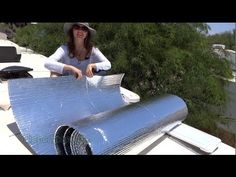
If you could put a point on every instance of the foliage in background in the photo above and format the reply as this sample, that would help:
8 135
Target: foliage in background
227 38
168 58
43 38
156 58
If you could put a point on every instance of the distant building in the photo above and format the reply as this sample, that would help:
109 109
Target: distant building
3 36
230 55
10 28
218 46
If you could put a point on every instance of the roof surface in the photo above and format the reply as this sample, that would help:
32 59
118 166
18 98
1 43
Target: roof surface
176 139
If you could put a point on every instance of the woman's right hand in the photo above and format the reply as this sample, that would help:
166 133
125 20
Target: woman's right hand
77 72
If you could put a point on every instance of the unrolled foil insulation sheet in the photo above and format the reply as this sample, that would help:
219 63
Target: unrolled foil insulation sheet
41 105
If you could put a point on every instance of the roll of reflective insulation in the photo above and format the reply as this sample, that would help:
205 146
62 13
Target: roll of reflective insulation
113 131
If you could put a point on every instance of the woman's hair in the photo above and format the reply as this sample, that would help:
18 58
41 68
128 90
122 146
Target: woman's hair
71 45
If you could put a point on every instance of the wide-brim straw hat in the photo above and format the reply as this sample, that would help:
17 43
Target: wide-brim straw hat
68 26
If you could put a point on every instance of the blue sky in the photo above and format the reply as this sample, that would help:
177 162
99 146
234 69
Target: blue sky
220 27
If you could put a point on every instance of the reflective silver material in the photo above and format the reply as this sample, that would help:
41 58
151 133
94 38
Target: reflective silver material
112 131
41 105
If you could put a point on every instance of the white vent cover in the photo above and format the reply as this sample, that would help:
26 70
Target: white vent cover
193 136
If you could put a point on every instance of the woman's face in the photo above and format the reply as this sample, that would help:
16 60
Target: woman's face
80 31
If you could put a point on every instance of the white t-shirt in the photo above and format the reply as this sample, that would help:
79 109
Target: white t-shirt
57 61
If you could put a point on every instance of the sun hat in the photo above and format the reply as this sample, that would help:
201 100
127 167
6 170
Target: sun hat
68 26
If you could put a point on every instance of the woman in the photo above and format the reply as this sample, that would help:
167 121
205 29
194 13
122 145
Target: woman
78 56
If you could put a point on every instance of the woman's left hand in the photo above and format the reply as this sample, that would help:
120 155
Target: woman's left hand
89 70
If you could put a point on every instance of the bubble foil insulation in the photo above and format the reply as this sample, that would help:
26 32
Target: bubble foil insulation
41 105
114 131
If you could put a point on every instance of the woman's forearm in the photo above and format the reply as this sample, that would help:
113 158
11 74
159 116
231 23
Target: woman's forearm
68 67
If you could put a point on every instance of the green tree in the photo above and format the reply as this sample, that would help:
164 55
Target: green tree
171 58
43 38
227 38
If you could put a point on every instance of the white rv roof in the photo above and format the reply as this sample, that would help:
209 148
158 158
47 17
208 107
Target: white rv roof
218 46
12 142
